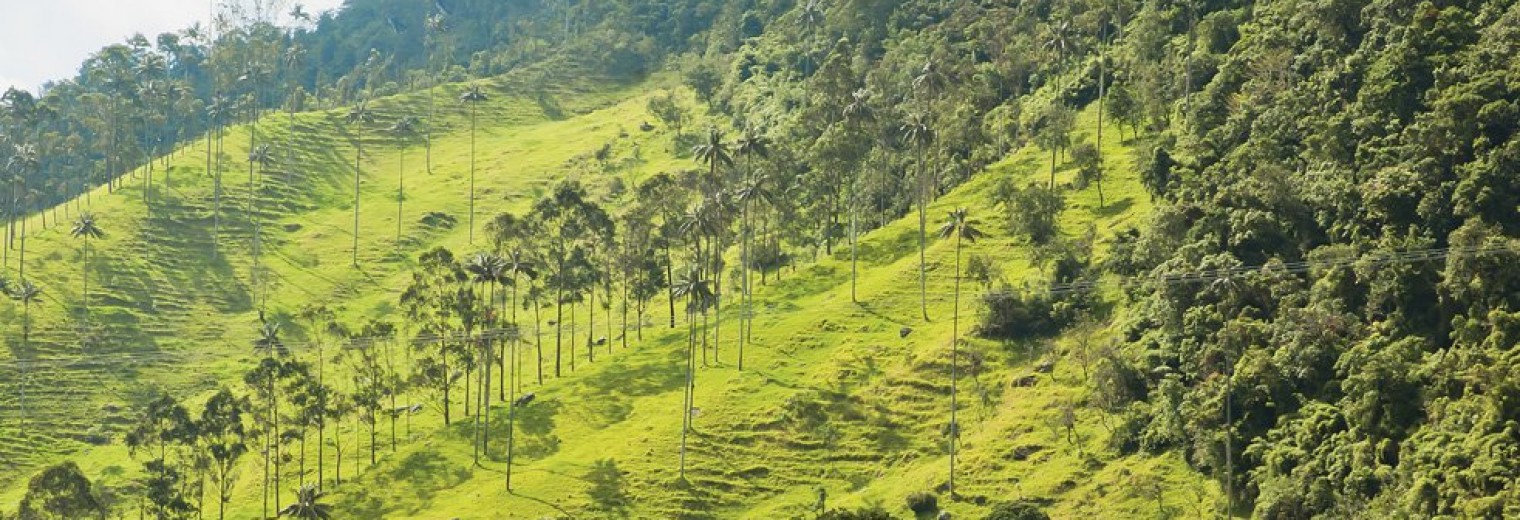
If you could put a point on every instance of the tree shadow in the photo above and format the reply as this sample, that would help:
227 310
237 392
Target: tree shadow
535 437
1114 208
639 379
607 488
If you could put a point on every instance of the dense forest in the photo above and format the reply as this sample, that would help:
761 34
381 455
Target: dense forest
1317 315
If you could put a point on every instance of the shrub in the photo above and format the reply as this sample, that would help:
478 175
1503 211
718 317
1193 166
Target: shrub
871 513
1017 510
922 503
1010 314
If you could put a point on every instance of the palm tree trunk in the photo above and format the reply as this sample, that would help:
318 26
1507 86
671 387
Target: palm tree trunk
400 192
670 279
923 202
745 299
321 419
84 273
591 325
854 238
358 156
447 382
954 358
472 171
538 338
559 326
511 402
1053 150
689 387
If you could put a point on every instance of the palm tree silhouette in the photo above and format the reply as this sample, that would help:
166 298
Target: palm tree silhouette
358 116
307 505
474 97
86 229
404 129
699 295
857 115
963 228
26 292
916 132
750 145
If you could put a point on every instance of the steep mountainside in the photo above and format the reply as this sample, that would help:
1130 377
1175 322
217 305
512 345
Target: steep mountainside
1243 258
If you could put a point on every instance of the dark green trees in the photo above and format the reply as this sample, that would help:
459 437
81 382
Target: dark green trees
222 434
60 492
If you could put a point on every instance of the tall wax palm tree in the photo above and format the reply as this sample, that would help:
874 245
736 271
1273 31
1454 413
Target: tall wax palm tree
293 56
488 269
473 97
753 191
358 116
518 264
307 505
24 158
715 154
263 157
857 115
513 336
434 27
811 18
214 114
86 229
699 295
916 132
962 227
26 292
269 344
404 129
1060 39
750 145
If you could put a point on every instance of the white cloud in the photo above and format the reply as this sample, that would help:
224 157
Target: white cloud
46 40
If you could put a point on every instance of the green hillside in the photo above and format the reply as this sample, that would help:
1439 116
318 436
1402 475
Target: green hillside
1215 259
814 351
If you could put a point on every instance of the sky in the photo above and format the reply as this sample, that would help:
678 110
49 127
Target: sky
46 40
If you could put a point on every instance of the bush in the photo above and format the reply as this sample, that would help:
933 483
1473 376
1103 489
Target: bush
1031 212
1018 510
875 513
1010 314
922 503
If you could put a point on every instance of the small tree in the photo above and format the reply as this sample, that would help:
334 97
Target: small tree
668 109
1124 107
1051 129
1031 212
60 491
1089 168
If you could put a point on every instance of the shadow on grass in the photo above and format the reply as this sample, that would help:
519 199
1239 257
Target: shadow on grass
535 437
639 379
1115 208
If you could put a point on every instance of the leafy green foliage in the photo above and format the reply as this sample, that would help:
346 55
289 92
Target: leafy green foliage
1017 510
59 492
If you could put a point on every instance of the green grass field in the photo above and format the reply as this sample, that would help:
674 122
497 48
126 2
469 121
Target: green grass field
832 398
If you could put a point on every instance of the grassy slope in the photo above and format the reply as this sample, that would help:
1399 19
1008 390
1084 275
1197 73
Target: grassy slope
885 396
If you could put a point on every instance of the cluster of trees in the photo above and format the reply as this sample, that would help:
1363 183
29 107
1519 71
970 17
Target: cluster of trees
1356 140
